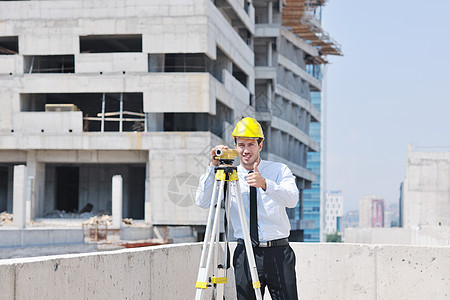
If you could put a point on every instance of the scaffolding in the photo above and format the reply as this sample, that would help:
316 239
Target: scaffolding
300 17
140 124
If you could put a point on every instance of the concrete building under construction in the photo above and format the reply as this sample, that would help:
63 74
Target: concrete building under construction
144 89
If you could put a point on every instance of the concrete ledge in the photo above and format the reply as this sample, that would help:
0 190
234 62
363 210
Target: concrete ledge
182 92
11 64
233 86
421 235
266 73
39 237
146 273
267 30
53 122
288 64
111 62
324 271
16 252
299 42
98 141
294 131
297 99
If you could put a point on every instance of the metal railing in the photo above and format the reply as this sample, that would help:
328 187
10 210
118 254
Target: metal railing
140 123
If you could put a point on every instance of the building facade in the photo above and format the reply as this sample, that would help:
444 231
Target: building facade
425 191
91 89
424 205
334 212
313 196
371 211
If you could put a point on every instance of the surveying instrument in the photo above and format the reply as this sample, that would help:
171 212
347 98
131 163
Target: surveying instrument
226 181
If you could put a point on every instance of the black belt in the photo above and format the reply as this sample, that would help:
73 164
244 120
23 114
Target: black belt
274 243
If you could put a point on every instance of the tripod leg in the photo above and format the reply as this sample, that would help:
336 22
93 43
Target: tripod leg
222 271
248 243
203 272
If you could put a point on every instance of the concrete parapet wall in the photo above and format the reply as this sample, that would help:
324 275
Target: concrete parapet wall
111 62
63 122
297 99
235 87
324 271
33 251
146 273
285 62
11 64
182 92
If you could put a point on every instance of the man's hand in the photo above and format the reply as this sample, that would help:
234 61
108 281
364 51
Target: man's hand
214 162
255 179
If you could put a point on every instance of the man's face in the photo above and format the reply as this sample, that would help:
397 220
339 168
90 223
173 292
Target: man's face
248 151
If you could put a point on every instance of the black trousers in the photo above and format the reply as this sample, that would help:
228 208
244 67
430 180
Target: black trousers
276 270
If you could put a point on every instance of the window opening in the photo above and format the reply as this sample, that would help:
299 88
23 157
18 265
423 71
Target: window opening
85 190
179 62
240 75
67 186
49 64
3 189
101 112
110 43
186 122
9 45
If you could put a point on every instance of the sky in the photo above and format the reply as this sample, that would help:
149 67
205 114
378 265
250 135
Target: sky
391 88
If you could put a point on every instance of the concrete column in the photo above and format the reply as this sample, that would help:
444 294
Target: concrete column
155 121
19 195
29 197
147 204
269 12
35 199
117 184
269 54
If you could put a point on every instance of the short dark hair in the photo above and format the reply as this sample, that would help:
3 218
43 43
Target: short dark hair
258 139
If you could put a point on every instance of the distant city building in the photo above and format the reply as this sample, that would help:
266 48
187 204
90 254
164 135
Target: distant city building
423 208
312 196
371 211
391 215
334 211
351 219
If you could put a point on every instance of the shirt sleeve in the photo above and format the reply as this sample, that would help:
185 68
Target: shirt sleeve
285 192
205 188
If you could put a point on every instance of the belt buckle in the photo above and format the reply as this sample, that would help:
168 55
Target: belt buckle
264 244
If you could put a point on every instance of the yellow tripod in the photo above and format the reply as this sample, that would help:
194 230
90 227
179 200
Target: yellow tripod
226 181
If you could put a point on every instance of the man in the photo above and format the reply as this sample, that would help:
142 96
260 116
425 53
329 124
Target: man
271 187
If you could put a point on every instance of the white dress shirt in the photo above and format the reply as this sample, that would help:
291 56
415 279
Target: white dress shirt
281 192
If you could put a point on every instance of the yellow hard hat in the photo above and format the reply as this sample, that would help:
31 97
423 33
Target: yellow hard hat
248 127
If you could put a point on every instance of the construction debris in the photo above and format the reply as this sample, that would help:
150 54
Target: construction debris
61 214
99 220
5 218
128 221
106 220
